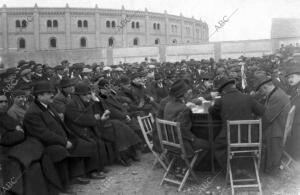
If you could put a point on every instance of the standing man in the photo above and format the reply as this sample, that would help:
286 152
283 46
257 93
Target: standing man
293 142
277 106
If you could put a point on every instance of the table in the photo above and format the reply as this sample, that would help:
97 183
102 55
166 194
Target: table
205 127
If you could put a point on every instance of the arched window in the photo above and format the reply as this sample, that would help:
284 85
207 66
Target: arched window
55 23
174 41
111 42
135 41
24 23
53 42
85 23
21 43
132 24
79 23
82 42
154 26
49 23
137 25
156 41
107 24
18 24
158 26
113 24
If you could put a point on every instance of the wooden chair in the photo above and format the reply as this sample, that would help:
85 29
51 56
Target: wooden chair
248 146
287 162
171 139
147 124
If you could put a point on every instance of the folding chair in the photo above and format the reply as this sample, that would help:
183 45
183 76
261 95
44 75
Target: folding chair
147 123
287 162
171 139
246 146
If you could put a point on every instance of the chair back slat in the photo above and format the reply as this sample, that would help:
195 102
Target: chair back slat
241 133
249 134
170 135
289 124
146 125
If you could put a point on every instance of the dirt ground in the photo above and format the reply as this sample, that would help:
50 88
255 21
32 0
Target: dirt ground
140 179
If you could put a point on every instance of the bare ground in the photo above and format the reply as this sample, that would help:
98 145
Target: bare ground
141 179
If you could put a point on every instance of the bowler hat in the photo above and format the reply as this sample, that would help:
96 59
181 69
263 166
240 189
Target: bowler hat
67 82
179 88
222 82
43 87
82 88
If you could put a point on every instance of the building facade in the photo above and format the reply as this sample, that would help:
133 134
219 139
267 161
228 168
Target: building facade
42 29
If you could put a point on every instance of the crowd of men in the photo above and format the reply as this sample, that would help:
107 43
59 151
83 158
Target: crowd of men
65 124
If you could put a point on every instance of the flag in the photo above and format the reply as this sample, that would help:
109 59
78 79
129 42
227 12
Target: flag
243 75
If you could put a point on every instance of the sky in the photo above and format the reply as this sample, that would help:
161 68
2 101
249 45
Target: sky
251 19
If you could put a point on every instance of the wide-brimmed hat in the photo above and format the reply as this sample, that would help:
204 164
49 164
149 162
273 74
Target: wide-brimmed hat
260 78
179 88
222 82
67 82
82 88
43 87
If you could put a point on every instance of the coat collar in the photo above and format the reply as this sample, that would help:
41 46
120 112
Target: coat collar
233 90
271 93
38 103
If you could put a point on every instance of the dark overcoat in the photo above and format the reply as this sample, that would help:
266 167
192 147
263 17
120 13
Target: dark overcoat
274 121
293 143
21 159
233 105
79 117
46 126
179 112
122 132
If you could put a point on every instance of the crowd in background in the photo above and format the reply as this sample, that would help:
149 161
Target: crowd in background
69 121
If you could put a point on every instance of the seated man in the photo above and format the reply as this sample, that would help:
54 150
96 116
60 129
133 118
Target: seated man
60 101
18 109
274 120
61 146
83 122
233 105
125 130
21 169
176 110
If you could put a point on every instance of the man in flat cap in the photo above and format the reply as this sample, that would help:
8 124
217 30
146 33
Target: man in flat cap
277 106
